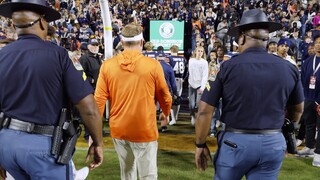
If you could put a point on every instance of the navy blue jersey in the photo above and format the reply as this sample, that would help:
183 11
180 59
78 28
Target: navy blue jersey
150 54
37 80
178 63
255 87
311 94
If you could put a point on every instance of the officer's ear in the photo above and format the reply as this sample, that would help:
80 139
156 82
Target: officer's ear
242 39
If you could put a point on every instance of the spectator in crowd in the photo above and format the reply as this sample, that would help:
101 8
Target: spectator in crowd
239 83
296 43
214 67
198 76
304 48
133 82
309 75
222 31
283 48
272 46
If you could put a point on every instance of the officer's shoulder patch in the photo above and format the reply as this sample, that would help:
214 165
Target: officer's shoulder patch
77 65
208 87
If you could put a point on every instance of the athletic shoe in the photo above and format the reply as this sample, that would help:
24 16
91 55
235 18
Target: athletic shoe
193 120
172 122
81 174
306 152
316 160
299 142
218 123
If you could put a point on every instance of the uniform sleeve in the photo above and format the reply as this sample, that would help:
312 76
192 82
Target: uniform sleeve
75 81
101 93
213 91
162 91
297 94
204 75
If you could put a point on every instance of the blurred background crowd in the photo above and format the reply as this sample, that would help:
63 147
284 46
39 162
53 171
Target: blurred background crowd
206 22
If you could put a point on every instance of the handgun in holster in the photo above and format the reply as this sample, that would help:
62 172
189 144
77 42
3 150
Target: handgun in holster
58 132
71 132
288 133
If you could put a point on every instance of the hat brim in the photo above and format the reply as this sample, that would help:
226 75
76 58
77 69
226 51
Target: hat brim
6 10
271 26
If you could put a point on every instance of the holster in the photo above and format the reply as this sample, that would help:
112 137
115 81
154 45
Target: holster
1 119
71 132
288 133
58 133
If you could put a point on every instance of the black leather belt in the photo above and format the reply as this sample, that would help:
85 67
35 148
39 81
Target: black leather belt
28 127
253 131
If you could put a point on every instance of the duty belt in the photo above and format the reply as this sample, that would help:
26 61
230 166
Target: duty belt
28 127
253 131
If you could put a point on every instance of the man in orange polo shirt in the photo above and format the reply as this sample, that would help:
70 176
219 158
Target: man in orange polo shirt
133 83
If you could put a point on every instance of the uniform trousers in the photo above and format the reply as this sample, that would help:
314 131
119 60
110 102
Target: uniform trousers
312 120
27 156
255 156
137 157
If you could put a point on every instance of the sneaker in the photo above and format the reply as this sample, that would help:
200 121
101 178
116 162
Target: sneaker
299 142
316 160
81 174
306 152
172 122
193 120
218 124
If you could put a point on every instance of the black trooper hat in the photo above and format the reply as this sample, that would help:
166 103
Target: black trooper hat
254 19
41 7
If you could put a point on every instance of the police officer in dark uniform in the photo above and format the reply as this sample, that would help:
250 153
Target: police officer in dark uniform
37 80
257 90
91 62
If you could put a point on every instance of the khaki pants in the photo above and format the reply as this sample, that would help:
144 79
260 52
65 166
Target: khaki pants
133 157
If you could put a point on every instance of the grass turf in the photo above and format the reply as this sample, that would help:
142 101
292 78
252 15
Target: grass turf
180 165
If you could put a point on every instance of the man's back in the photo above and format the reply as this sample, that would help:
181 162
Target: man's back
36 72
260 79
134 82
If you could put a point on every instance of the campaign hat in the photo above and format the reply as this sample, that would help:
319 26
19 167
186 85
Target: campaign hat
253 19
41 7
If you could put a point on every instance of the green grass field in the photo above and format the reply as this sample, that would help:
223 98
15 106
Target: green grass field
180 166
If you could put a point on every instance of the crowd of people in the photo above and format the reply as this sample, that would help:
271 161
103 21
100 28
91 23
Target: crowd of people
208 44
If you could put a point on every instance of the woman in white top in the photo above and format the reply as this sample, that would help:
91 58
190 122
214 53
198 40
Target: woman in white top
198 76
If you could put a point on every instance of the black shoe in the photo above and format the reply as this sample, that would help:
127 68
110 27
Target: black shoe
163 129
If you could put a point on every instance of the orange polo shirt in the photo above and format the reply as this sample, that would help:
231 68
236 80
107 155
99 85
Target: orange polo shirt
132 83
